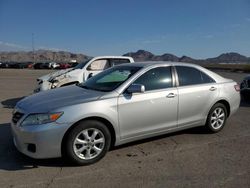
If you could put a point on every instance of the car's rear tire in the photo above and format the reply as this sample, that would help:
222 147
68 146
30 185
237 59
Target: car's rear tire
87 143
217 117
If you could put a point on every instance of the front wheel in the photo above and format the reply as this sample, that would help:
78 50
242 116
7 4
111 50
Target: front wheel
87 143
216 118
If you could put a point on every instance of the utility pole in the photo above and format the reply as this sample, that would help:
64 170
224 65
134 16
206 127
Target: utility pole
33 49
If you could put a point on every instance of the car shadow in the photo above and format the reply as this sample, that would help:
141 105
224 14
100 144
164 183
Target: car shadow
13 160
11 103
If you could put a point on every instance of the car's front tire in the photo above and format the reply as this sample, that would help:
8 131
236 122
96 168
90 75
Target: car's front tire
216 118
87 143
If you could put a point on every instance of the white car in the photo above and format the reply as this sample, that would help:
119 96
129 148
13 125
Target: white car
80 73
54 65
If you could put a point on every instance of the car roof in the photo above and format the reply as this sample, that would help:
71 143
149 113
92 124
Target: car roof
155 63
149 64
112 57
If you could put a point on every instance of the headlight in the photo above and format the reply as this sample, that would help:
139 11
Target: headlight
37 119
54 83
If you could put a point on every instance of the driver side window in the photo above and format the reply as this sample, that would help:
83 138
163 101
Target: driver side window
99 65
156 78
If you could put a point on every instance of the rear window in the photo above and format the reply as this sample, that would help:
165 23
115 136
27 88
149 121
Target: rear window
192 76
119 61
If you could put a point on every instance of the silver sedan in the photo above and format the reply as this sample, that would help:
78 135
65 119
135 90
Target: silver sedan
121 105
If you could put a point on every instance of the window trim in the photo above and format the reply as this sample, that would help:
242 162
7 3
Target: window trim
177 76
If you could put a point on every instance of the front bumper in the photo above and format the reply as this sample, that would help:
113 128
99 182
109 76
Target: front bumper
46 139
43 86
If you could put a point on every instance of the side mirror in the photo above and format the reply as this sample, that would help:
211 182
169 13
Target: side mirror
90 75
136 88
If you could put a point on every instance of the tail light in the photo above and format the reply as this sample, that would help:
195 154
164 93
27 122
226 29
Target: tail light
237 87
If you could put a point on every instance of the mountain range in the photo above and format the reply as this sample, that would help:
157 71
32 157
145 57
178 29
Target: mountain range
41 56
140 55
232 57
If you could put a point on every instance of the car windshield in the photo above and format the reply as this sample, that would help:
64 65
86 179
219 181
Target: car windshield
110 79
81 65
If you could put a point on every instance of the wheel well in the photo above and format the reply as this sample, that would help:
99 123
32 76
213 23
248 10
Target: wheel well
227 105
106 122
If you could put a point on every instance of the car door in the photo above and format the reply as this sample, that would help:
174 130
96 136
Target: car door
197 93
150 112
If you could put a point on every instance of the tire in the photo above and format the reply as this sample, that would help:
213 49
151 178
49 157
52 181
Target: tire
245 96
217 117
87 143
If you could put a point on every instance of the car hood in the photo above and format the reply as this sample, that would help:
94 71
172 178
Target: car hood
52 99
54 74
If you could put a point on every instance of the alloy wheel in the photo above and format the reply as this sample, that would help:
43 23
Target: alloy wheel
217 118
89 143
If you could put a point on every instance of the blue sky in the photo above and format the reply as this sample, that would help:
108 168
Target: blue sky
196 28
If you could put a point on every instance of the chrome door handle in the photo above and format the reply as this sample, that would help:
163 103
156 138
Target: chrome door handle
171 95
212 88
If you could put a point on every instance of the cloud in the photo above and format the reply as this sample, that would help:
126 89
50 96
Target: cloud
248 19
6 46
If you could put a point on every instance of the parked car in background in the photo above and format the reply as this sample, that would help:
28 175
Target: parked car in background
30 66
46 65
50 65
79 73
38 66
245 88
54 65
4 65
64 66
120 105
16 65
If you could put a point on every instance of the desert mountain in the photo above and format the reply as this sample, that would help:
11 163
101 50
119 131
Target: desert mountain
140 55
41 56
232 57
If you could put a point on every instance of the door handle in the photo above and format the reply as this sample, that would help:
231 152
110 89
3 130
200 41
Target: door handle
171 95
212 88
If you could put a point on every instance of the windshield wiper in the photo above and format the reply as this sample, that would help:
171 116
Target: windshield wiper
83 86
90 88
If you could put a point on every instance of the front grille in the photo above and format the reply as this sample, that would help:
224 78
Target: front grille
17 116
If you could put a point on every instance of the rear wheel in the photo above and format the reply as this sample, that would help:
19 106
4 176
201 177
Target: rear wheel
87 143
216 118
